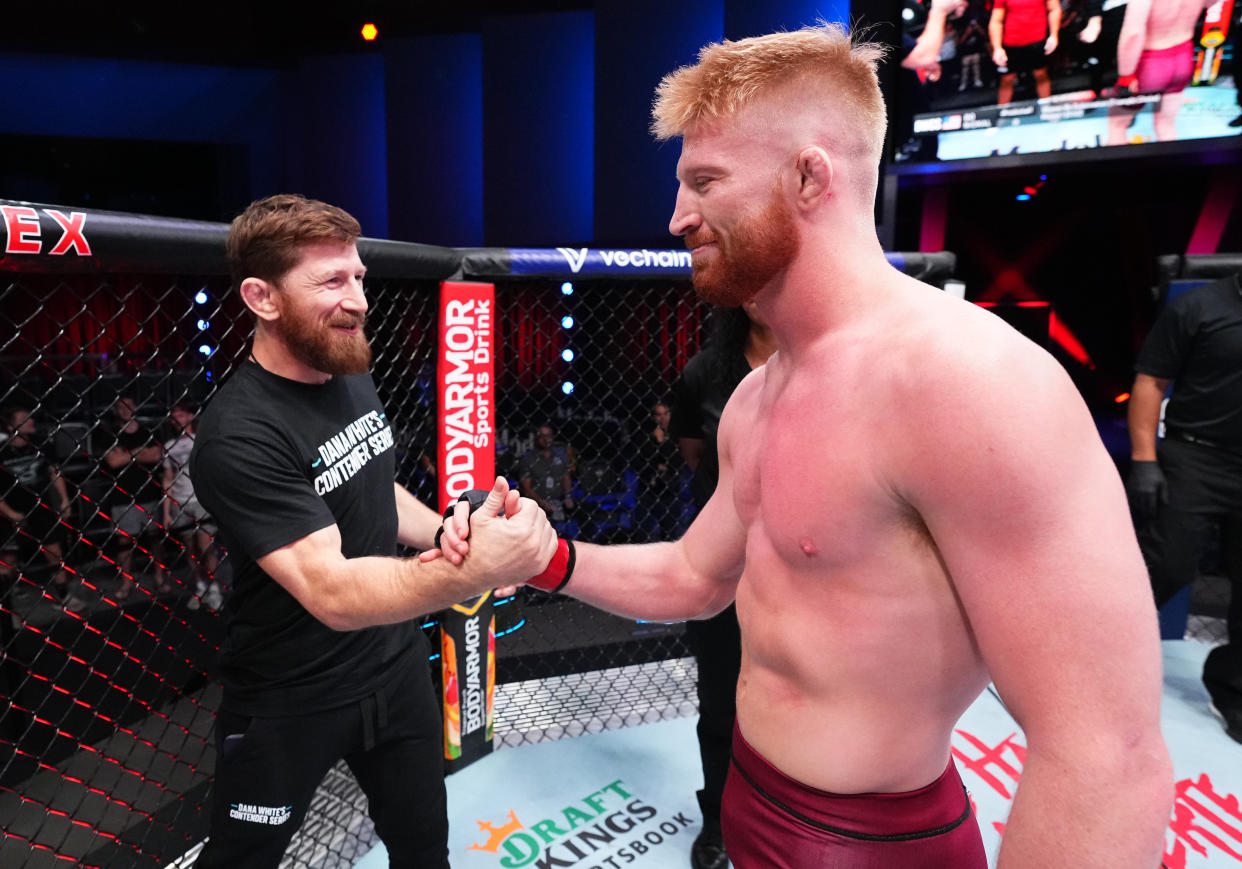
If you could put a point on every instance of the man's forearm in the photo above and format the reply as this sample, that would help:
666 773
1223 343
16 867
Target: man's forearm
373 590
1072 812
416 522
652 581
1054 17
1143 418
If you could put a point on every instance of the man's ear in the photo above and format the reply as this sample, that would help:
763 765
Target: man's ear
260 297
815 176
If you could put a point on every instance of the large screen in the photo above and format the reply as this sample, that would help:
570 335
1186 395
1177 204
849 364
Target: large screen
1000 83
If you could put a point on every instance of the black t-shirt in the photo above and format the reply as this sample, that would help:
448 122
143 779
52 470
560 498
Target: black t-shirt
275 460
134 482
25 476
1197 342
699 398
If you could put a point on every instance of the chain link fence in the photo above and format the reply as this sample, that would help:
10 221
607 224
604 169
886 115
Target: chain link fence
110 591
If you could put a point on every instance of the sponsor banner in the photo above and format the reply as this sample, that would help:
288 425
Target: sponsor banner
599 262
568 262
36 237
466 459
466 417
468 671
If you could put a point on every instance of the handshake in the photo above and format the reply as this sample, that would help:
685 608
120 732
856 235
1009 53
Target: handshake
507 539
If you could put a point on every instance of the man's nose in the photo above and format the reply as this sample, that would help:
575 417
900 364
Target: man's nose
685 214
356 299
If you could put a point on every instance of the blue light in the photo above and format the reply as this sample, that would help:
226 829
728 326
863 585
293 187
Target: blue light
512 629
1043 177
206 349
203 325
567 355
201 297
567 322
567 387
567 289
208 373
1023 197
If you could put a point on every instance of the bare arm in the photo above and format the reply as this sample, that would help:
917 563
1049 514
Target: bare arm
528 491
1032 523
692 450
927 47
151 455
166 482
694 577
996 36
61 489
1143 415
13 515
1054 26
416 522
1133 36
352 593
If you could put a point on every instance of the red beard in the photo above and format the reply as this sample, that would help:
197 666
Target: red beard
322 347
746 259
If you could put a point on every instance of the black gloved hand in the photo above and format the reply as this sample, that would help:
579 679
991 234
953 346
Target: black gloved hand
476 497
1147 488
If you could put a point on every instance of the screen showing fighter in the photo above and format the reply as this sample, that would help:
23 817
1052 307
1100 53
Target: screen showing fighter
992 78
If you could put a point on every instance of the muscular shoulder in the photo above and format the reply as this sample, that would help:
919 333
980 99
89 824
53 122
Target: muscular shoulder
955 370
741 408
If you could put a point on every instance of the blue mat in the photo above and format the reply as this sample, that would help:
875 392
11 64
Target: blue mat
625 798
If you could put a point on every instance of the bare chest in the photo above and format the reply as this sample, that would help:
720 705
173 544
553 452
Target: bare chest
811 481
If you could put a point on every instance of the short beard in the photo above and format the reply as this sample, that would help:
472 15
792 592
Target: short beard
324 350
754 252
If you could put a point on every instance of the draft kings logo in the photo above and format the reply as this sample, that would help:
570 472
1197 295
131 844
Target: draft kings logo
607 829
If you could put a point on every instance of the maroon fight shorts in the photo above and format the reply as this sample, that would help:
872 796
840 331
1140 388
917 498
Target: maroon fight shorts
1166 70
773 822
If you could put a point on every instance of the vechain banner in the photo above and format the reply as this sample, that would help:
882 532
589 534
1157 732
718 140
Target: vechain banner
599 261
467 460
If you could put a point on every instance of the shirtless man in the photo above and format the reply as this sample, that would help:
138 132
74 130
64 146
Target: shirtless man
937 513
1156 54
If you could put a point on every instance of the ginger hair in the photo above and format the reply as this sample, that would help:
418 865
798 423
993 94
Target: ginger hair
730 76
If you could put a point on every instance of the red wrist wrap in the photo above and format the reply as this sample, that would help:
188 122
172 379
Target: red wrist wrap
1127 81
559 569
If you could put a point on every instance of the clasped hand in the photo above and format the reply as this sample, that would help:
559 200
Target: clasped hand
508 539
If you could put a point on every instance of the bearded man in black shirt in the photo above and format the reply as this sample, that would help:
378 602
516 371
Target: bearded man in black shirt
322 658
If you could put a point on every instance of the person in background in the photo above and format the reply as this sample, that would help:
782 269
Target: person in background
183 516
1193 478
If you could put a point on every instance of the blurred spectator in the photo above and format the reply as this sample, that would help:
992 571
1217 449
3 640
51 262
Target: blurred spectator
33 501
183 515
133 458
544 475
658 462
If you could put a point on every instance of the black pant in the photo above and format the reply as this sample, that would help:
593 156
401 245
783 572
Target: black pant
717 644
1204 486
268 769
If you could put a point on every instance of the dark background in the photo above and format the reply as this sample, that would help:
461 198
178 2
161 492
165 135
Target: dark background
525 124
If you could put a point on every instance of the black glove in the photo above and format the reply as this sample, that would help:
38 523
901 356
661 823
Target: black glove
1147 488
476 497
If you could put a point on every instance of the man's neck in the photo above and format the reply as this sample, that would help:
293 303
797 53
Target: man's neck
275 357
831 282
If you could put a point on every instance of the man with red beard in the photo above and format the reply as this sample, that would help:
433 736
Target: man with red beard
323 658
912 502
